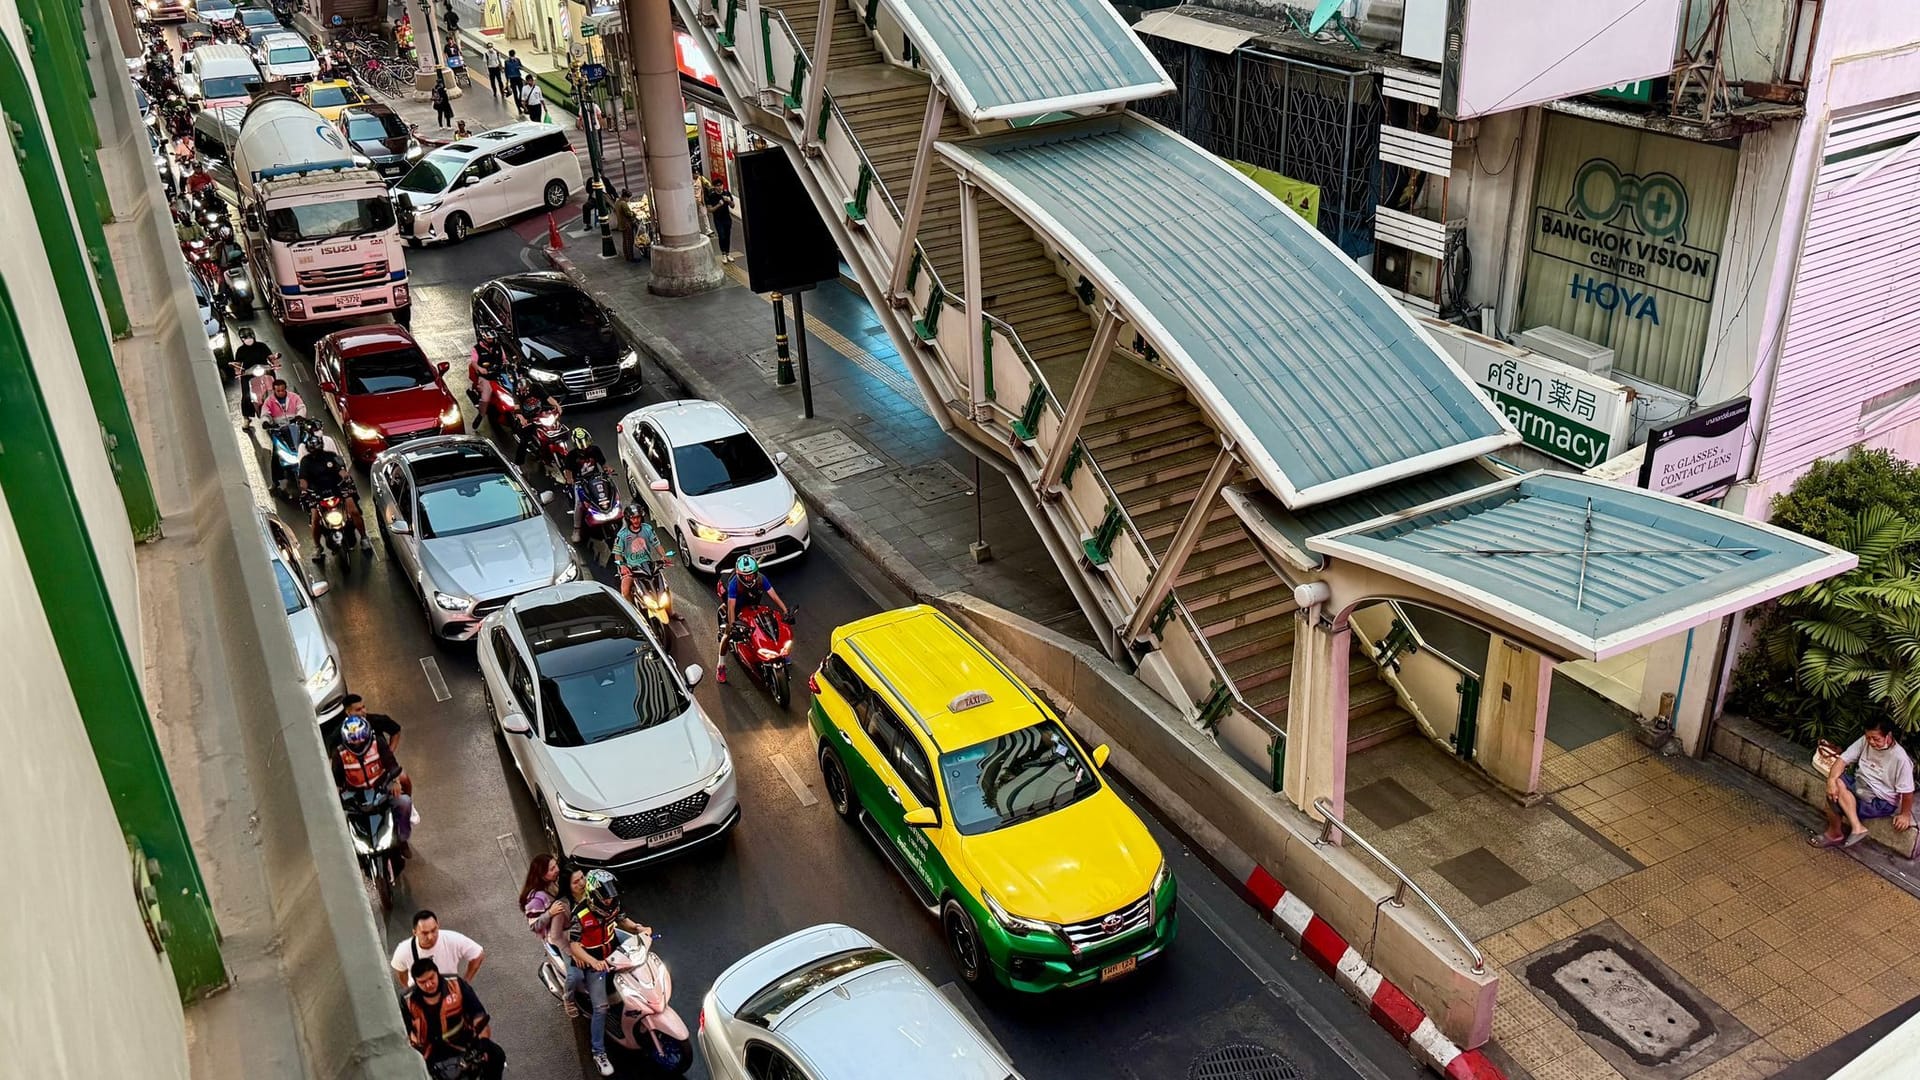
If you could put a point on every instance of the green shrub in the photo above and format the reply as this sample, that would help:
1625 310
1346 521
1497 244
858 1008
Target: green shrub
1823 503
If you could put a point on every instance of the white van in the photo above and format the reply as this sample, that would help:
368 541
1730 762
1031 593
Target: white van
288 56
217 75
486 178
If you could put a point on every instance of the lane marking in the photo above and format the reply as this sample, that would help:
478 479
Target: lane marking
434 682
800 789
509 846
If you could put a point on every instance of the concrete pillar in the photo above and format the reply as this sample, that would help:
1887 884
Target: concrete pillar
683 261
1512 723
1685 666
1317 714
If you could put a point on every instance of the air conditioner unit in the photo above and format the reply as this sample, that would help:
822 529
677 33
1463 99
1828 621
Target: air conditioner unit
1568 349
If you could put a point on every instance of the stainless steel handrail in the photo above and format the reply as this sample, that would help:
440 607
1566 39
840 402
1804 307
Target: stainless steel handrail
1326 837
1400 613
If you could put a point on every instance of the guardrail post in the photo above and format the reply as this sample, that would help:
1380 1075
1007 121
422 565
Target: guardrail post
813 114
1027 427
857 208
970 286
927 326
1079 402
986 351
1213 708
931 120
1466 731
873 13
792 98
724 36
766 41
1098 548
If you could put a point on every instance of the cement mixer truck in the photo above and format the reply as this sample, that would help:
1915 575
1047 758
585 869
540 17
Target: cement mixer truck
317 224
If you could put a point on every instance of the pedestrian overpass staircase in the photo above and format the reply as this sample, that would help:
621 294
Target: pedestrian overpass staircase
999 363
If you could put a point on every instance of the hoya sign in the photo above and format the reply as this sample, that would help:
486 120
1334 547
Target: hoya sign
1558 409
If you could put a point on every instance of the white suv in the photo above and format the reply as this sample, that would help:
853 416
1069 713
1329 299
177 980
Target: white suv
485 178
711 485
828 1003
624 766
288 56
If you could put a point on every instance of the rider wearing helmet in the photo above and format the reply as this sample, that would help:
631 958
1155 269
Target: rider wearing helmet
528 408
636 546
323 472
365 761
593 936
583 462
746 587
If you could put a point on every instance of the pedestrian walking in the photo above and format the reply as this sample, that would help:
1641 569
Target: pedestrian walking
513 70
719 202
532 102
624 221
442 104
496 72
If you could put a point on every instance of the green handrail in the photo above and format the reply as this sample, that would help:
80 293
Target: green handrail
799 80
857 209
725 34
826 116
1098 548
927 326
1073 462
1213 708
766 40
986 352
873 13
1027 428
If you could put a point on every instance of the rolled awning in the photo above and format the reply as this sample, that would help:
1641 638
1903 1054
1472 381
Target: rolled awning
1196 32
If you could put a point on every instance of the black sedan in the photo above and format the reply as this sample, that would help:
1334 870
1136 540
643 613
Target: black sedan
378 134
558 335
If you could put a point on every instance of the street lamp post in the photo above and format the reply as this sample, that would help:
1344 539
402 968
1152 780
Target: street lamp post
683 260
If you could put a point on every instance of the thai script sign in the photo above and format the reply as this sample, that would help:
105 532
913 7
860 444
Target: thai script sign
1559 410
1699 454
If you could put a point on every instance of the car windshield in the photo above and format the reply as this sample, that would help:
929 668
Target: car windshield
258 17
608 688
290 597
225 86
324 96
472 503
721 465
289 54
541 315
766 1005
1016 777
388 372
433 173
325 221
369 127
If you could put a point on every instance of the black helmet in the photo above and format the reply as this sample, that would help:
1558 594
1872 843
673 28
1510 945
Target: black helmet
314 439
637 509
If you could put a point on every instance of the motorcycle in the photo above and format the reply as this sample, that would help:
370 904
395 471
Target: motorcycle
650 592
370 822
239 291
284 440
337 531
599 504
763 644
259 381
641 1021
502 390
554 441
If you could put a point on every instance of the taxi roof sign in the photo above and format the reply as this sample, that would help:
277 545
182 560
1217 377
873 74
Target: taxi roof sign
972 699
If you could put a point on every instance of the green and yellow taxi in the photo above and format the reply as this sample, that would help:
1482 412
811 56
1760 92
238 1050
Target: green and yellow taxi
996 816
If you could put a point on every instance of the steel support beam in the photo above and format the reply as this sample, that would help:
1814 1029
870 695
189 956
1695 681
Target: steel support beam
970 286
930 122
1185 539
817 86
1077 405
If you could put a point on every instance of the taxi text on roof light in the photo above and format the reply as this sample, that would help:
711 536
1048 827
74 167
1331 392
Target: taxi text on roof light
969 700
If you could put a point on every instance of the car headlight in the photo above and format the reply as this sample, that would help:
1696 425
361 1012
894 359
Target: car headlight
720 775
362 160
450 416
1011 923
361 431
427 207
706 532
414 150
543 375
571 572
450 602
630 360
1160 878
574 813
799 512
324 677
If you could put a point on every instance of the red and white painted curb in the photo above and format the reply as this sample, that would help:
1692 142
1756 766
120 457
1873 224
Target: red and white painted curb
1389 1007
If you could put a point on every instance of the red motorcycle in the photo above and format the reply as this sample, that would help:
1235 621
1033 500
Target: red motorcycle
762 643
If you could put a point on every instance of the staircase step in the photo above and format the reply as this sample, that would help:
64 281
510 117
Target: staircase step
1139 446
1142 475
1378 727
1217 615
1037 305
1158 527
1225 558
1367 692
1227 586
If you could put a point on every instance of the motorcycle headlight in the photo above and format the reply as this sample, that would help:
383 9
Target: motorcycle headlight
450 416
360 847
322 678
217 340
630 360
240 286
571 572
385 839
799 512
450 602
1011 923
335 519
543 375
361 431
707 532
414 151
768 654
574 813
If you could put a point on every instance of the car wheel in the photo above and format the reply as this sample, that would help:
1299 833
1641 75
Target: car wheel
834 776
414 242
551 834
556 194
963 942
458 225
680 545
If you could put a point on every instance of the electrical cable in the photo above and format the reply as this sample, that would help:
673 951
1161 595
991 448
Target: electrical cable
1544 72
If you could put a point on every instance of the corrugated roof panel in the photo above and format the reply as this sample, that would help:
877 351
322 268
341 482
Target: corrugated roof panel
1333 385
1011 58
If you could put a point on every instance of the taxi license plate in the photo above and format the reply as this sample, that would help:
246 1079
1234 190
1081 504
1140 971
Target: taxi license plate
761 551
663 838
595 395
1114 971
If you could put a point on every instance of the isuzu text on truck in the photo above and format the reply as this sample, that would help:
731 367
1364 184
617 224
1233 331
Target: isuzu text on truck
316 222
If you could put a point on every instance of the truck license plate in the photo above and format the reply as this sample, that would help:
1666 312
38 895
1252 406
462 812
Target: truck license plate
661 839
1114 971
595 395
762 551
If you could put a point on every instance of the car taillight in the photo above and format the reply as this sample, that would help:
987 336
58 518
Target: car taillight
813 683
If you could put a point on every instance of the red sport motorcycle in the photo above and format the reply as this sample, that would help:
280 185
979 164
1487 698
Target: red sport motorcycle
762 643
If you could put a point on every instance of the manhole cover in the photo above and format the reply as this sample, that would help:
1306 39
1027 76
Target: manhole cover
853 466
931 483
1242 1061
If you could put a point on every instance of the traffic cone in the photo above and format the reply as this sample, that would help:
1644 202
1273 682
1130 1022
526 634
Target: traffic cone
554 243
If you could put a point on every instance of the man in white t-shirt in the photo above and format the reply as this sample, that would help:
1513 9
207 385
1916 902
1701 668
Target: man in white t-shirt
452 952
1873 778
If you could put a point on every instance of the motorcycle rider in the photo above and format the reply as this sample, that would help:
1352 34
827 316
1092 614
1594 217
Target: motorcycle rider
199 181
449 1026
593 936
583 452
746 588
323 472
635 547
531 404
365 761
251 354
281 406
584 462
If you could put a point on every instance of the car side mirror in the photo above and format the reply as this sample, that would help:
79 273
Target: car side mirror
694 674
780 457
329 386
444 367
921 817
515 724
319 589
1100 755
399 527
546 498
660 485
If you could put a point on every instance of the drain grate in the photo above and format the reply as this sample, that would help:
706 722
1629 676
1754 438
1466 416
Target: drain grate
931 483
1242 1061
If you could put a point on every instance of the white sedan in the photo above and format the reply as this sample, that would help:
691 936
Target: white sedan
828 1003
711 485
623 764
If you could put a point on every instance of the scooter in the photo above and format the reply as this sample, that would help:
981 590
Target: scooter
648 585
284 440
599 504
763 644
370 822
337 531
554 441
641 1020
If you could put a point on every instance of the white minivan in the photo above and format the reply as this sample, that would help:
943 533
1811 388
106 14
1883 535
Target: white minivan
288 56
218 75
486 178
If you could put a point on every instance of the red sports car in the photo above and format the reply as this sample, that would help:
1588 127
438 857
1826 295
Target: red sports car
383 389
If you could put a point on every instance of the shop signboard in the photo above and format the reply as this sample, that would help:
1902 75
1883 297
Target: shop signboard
1641 91
1698 455
693 63
1559 410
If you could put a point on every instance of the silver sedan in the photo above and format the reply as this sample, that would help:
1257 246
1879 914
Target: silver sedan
466 529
